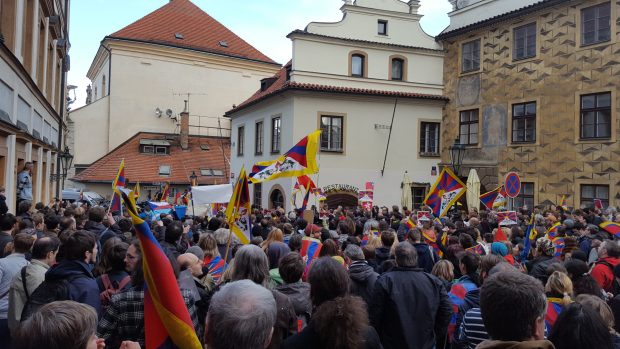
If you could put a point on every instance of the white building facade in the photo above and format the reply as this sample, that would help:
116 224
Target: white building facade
373 83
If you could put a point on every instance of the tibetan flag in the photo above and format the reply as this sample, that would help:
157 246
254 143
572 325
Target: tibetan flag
500 235
424 216
298 161
552 233
444 193
431 239
304 204
554 308
306 182
167 323
530 236
598 203
611 227
318 192
165 192
563 203
507 218
477 249
310 247
409 223
136 191
117 184
457 294
216 266
238 209
494 198
558 244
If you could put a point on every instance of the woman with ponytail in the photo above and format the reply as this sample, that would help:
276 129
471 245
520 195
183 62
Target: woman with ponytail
339 320
559 290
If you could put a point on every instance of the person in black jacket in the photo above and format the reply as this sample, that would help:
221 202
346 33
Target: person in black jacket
95 225
410 308
3 207
427 257
363 276
339 319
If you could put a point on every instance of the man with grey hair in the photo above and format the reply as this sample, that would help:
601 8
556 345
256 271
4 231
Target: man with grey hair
409 308
242 315
362 275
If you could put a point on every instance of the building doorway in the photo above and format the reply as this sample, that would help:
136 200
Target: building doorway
276 198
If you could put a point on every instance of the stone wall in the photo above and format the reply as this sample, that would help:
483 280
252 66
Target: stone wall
558 163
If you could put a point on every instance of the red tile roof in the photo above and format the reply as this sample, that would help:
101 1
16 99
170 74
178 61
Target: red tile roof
281 85
145 167
199 30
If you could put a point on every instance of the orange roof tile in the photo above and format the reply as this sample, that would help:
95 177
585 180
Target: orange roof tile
199 30
145 167
281 84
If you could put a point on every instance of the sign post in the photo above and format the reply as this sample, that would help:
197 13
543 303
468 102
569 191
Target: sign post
512 185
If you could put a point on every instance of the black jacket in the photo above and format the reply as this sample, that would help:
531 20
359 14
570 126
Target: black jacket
538 267
410 309
299 295
83 286
427 257
308 338
363 278
382 254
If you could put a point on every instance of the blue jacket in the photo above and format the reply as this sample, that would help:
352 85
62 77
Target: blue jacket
83 287
427 257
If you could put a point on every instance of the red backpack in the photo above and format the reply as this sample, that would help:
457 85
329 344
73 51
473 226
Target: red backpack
111 288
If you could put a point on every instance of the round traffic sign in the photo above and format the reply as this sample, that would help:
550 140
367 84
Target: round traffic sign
512 184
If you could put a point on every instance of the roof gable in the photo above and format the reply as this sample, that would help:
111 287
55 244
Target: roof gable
197 31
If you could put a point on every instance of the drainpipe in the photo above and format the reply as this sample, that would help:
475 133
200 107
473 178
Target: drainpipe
109 65
62 111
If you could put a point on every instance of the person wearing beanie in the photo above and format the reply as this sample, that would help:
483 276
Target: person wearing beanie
569 225
543 257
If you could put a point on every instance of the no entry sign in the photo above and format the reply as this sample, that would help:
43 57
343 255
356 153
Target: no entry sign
512 184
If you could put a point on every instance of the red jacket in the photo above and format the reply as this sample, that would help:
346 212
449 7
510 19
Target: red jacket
603 274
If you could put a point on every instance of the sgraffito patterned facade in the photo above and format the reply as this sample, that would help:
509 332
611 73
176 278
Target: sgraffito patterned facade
560 155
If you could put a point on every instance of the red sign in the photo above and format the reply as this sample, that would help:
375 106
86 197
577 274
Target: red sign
512 184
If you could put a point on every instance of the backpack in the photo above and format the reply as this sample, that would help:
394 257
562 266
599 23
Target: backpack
111 288
615 286
47 292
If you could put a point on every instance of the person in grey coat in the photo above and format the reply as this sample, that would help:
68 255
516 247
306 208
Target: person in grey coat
362 275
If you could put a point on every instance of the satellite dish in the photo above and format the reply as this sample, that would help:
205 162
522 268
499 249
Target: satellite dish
158 112
169 113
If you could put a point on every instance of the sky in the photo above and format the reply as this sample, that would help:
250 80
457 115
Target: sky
264 24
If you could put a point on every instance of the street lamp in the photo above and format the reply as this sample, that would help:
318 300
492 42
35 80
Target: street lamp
457 151
193 182
66 161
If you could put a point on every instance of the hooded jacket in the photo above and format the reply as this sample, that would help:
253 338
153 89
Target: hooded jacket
83 286
427 257
603 272
299 294
382 254
409 309
542 344
363 278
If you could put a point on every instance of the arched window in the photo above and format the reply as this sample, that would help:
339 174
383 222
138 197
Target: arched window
398 66
358 62
276 198
103 87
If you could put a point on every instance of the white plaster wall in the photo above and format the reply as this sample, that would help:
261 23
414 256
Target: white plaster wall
90 132
328 64
480 10
365 146
360 22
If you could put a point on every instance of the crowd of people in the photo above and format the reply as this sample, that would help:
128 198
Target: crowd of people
72 277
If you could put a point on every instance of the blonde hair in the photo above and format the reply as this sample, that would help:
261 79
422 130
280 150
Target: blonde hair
208 244
274 235
444 269
374 241
560 284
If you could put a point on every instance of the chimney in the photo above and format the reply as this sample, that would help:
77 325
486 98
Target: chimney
414 5
185 128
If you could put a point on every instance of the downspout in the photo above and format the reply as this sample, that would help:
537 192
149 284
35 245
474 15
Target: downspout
109 65
63 83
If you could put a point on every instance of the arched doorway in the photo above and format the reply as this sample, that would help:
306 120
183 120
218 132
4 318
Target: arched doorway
276 198
341 195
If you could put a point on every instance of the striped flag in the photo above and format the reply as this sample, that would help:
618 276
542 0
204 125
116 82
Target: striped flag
554 308
611 227
563 203
494 198
167 323
238 209
552 233
165 192
310 247
530 236
558 244
117 185
444 193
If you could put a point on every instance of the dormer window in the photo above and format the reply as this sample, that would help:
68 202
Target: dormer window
382 27
179 36
154 146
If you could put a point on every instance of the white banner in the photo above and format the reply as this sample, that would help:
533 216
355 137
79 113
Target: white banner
212 194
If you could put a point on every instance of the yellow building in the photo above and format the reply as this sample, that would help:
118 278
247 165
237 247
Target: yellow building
533 88
33 64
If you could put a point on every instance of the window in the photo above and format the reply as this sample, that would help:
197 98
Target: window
148 149
258 195
524 122
276 131
524 41
161 150
331 137
382 27
418 194
240 140
589 192
429 138
596 24
164 170
277 198
209 172
595 120
397 69
469 127
23 114
259 139
357 65
470 56
526 196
